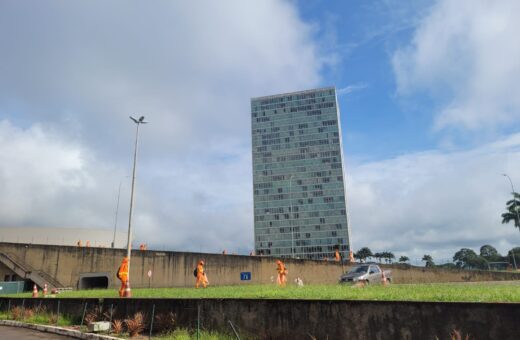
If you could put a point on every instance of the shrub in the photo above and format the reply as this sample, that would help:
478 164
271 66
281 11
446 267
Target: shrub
94 314
135 325
456 335
165 322
180 334
117 326
106 315
28 313
16 313
40 309
53 318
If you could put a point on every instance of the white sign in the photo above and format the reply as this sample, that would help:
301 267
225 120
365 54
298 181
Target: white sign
150 273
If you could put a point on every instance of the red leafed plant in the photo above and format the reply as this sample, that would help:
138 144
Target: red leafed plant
135 325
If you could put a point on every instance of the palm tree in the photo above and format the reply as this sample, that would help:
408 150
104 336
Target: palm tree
513 210
404 259
390 256
379 256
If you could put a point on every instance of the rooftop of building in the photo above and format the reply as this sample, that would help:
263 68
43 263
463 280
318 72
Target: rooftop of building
295 93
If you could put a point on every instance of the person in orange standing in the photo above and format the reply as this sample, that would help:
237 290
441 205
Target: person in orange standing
201 276
282 273
122 274
337 256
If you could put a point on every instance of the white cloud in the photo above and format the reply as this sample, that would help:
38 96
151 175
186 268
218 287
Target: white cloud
351 88
466 54
435 202
190 68
73 72
45 180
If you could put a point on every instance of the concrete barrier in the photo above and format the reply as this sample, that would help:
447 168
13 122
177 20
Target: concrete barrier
79 267
301 319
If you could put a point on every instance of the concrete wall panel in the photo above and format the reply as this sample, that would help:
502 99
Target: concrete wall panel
175 269
300 319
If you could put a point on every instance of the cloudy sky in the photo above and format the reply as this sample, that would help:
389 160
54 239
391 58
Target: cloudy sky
428 92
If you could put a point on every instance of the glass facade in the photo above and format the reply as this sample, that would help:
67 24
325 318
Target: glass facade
298 180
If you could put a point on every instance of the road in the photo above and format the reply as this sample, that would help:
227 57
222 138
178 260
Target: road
18 333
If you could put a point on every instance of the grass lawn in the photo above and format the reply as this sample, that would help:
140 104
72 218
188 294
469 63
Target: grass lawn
471 292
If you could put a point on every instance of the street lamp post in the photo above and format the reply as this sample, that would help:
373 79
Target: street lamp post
516 210
291 216
129 243
117 210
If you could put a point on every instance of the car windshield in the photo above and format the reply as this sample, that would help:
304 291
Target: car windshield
359 269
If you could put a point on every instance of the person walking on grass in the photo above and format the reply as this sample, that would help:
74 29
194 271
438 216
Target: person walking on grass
201 275
282 273
122 274
337 256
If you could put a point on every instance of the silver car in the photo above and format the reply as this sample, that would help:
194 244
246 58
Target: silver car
367 273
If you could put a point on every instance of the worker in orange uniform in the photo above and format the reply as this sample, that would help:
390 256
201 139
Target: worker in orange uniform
122 274
337 256
282 273
201 276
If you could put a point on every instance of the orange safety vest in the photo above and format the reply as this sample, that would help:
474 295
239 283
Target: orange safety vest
122 273
281 268
200 270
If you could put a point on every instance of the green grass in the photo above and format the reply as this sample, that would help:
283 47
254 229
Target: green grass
471 292
43 318
184 334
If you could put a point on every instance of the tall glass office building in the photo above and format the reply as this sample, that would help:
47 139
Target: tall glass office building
299 192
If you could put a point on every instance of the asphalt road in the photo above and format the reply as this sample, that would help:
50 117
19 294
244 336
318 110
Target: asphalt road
17 333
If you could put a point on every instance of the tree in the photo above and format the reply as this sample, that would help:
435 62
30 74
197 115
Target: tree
513 211
404 259
391 257
363 253
488 251
468 259
429 260
516 252
388 256
378 256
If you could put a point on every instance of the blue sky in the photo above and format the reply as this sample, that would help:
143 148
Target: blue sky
362 37
428 93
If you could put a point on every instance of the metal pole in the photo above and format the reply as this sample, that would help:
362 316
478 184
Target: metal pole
151 321
117 210
517 216
290 216
234 330
129 243
198 321
111 311
84 311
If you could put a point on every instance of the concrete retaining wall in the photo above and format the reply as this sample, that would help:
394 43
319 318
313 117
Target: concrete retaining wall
299 319
175 269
